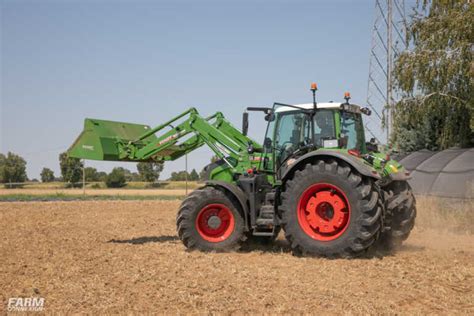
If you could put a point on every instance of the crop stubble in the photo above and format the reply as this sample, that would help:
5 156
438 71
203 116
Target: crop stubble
115 256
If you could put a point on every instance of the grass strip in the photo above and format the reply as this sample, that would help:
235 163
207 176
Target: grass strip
69 197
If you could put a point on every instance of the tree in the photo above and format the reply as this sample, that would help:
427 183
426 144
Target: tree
135 177
12 168
47 175
194 176
2 167
203 174
149 171
71 168
116 178
182 175
129 176
101 176
91 174
436 78
179 176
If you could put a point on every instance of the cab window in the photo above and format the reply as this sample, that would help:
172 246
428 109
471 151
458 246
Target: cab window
324 127
289 133
352 131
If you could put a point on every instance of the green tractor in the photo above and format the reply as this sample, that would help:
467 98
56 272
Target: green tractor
315 177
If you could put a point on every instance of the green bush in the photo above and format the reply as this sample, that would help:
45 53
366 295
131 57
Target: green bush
116 179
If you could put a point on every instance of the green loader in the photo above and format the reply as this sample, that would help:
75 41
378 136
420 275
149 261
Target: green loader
314 176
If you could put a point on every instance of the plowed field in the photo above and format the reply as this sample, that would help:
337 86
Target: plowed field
117 256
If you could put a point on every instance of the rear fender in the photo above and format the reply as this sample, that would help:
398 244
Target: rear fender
237 193
354 162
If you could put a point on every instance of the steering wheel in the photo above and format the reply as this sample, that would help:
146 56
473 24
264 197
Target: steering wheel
283 147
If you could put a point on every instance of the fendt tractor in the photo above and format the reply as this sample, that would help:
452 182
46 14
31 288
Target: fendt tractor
315 177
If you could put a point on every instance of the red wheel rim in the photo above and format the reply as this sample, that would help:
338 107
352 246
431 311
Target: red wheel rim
215 222
323 212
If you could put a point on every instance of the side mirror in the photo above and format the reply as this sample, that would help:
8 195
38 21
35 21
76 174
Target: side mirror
245 123
366 111
270 117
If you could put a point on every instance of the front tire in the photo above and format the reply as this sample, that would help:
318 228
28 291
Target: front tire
209 220
329 209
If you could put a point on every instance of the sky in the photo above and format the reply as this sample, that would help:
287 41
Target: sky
147 61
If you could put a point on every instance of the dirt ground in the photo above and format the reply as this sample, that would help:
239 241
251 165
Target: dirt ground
117 256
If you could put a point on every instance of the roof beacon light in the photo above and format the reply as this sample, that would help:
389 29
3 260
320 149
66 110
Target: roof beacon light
347 96
314 87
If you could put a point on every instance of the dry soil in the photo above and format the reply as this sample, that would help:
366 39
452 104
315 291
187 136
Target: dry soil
117 256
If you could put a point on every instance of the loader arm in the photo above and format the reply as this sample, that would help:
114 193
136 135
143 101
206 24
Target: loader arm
117 141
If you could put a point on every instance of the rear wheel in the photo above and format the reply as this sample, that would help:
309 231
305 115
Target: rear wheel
331 210
209 220
401 213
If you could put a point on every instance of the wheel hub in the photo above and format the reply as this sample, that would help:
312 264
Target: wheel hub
323 212
214 222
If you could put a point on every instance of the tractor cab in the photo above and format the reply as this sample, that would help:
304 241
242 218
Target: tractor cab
294 130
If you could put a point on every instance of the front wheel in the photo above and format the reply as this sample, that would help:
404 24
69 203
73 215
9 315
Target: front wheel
209 220
329 209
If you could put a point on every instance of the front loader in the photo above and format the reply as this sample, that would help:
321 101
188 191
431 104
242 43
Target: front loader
315 177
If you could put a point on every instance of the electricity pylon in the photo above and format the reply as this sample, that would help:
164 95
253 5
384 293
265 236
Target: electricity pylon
388 41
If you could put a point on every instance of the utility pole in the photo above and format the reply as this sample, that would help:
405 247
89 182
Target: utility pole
83 177
390 109
186 171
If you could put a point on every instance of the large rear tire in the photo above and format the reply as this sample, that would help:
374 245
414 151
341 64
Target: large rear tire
329 209
209 220
401 213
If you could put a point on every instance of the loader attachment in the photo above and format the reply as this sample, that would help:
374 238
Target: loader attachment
118 141
100 139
